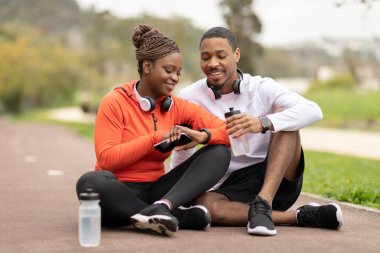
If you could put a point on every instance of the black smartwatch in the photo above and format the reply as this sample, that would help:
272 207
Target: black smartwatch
265 123
208 135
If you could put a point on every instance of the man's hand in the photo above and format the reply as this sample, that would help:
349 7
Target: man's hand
242 123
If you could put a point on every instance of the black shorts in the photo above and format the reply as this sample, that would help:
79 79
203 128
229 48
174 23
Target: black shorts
242 185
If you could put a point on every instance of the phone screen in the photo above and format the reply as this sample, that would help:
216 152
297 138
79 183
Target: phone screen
166 146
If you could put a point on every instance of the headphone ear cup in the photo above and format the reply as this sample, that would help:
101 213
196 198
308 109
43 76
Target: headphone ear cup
214 93
147 104
236 87
166 104
217 93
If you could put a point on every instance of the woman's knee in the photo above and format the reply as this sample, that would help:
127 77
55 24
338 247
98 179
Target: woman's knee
220 153
93 180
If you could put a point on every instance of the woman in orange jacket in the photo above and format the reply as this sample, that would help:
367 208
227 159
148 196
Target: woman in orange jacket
129 173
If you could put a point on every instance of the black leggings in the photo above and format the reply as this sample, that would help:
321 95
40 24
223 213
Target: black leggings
120 200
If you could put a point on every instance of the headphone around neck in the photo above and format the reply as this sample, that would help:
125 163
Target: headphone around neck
215 90
147 104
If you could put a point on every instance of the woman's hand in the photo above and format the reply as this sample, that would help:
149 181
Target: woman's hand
242 123
165 135
197 136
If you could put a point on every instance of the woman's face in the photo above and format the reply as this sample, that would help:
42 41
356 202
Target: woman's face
163 75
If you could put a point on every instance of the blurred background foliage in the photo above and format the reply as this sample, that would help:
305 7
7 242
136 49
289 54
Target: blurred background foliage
53 54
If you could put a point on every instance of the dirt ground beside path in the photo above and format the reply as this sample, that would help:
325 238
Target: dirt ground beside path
39 211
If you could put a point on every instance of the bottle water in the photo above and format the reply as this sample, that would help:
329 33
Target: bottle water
89 219
240 145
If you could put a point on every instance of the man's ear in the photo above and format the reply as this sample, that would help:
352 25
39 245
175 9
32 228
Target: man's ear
237 55
146 67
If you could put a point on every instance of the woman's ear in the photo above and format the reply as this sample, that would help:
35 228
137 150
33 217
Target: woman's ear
147 66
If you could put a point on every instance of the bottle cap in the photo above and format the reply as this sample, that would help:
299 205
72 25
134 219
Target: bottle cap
89 194
231 112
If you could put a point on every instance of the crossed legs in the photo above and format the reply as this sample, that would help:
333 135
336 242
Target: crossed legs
283 158
231 213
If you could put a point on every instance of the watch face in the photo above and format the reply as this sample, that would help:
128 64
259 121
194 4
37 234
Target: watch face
265 123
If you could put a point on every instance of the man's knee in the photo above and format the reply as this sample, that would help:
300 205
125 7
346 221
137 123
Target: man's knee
288 134
286 143
288 140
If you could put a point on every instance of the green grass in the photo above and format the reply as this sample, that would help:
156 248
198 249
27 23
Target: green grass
348 108
344 178
83 129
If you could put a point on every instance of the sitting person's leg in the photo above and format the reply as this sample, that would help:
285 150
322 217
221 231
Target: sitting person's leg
226 212
181 185
193 177
228 205
285 157
311 215
118 202
282 162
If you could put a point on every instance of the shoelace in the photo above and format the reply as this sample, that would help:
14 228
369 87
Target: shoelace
181 215
259 207
310 213
308 216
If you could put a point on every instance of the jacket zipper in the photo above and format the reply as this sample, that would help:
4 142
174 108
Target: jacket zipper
154 122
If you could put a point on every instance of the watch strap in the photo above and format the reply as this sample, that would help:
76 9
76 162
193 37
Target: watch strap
208 135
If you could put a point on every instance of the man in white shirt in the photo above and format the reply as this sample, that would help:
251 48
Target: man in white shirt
270 174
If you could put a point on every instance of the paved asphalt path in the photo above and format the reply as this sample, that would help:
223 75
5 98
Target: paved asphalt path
39 210
342 141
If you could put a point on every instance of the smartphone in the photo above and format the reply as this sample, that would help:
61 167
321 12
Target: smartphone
166 146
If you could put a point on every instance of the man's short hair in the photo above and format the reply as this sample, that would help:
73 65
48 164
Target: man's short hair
220 32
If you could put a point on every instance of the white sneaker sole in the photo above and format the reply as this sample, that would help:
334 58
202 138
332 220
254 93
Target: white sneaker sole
160 224
339 215
260 230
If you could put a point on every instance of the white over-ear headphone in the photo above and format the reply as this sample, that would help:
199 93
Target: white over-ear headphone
147 104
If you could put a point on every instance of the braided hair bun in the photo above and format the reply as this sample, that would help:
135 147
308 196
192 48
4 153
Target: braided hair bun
151 44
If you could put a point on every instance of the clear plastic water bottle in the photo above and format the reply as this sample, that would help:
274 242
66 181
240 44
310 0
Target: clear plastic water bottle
89 219
240 145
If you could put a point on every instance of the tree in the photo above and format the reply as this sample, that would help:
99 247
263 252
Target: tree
245 24
54 16
34 71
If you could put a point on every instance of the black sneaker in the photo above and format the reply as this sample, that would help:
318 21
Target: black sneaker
260 218
195 217
157 218
317 216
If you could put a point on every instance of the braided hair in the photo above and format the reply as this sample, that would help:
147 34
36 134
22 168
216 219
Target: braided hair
151 45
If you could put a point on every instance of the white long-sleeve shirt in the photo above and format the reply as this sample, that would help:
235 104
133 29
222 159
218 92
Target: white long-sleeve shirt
287 110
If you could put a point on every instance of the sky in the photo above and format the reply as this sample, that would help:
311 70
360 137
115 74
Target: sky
285 22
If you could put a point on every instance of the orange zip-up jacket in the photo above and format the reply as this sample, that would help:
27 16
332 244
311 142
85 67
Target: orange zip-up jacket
125 134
